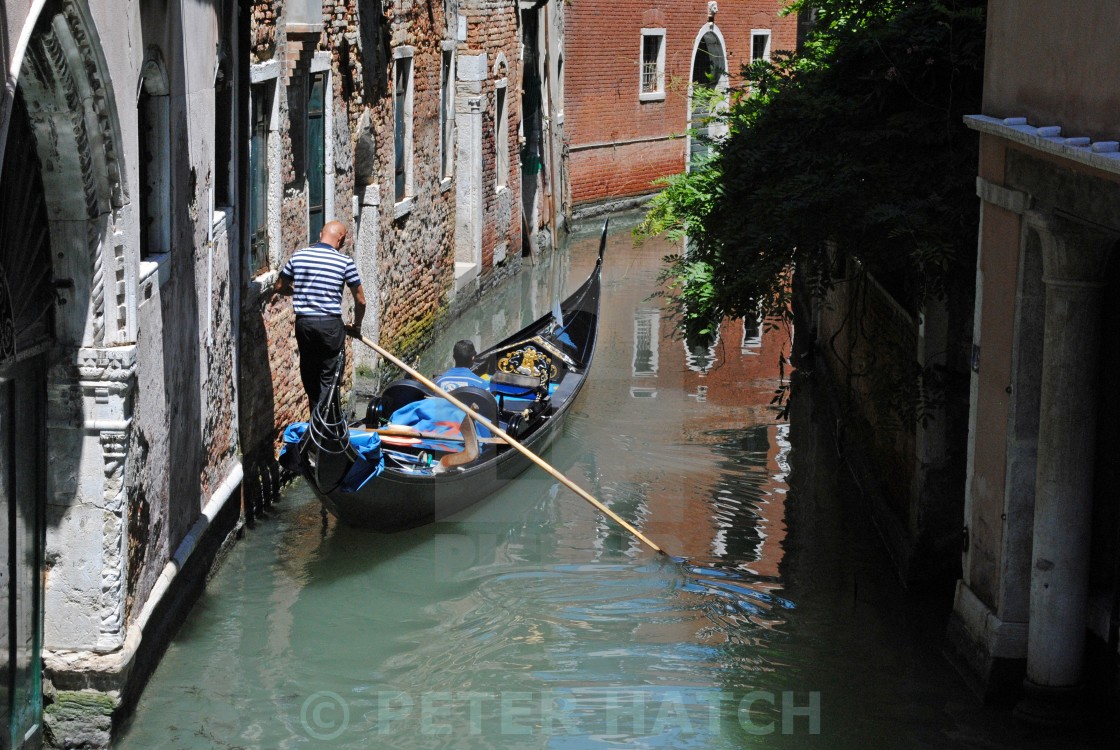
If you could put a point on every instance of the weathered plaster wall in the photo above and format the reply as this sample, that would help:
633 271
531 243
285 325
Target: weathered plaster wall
1045 62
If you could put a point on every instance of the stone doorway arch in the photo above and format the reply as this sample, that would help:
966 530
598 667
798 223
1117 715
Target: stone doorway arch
76 353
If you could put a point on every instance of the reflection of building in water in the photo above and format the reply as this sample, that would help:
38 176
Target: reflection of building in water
645 342
646 331
702 478
752 335
700 351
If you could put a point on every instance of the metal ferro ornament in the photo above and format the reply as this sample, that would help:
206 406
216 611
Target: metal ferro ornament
7 320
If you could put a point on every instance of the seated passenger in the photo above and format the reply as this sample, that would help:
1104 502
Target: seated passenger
461 375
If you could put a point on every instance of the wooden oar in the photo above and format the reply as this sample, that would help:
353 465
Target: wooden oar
400 430
499 432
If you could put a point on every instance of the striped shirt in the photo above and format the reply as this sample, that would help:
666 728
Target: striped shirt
317 274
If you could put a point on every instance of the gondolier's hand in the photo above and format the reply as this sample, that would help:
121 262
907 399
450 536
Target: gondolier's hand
353 330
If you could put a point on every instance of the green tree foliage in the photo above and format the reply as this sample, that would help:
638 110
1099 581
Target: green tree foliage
852 148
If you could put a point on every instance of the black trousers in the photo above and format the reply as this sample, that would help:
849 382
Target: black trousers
320 340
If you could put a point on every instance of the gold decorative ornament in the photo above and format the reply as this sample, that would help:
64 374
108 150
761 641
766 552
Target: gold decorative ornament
528 361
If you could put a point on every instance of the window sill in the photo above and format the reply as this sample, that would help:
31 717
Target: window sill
262 284
218 226
402 208
303 28
651 96
465 273
157 266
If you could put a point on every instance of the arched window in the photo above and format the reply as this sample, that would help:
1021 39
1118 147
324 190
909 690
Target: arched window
154 135
707 92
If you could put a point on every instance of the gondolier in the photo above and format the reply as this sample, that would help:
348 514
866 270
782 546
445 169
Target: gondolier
314 276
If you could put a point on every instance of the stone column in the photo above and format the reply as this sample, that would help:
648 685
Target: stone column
367 249
1075 255
90 421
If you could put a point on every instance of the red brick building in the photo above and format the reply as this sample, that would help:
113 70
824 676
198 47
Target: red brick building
630 70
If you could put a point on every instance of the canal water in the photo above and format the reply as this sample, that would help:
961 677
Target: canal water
530 621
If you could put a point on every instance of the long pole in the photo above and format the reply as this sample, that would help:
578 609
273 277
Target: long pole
499 432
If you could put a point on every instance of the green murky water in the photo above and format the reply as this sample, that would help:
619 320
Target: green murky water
531 622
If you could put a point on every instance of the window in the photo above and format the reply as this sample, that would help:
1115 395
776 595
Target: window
259 179
225 105
402 123
560 83
760 44
447 113
154 126
501 135
316 155
652 83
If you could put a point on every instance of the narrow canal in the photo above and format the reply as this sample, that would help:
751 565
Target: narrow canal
530 621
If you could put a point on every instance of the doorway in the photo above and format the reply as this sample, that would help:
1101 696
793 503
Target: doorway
26 332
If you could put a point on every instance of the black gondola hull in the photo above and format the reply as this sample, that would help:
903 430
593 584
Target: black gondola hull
402 496
395 501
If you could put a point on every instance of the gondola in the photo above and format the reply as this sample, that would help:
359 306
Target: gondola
378 474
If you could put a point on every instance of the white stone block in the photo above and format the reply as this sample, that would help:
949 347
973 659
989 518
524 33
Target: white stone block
471 67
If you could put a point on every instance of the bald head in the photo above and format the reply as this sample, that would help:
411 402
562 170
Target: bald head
334 234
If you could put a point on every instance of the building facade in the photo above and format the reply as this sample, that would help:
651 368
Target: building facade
120 278
633 67
161 161
1035 610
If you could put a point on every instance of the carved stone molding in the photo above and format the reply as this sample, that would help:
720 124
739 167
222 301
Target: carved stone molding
116 364
7 321
70 106
114 452
1074 252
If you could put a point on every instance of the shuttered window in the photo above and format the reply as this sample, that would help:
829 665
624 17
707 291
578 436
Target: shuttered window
402 127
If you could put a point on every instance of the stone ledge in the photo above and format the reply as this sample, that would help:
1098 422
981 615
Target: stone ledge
1103 155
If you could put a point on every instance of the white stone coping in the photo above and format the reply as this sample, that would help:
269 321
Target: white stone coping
321 62
266 71
1104 155
303 28
404 207
465 273
263 283
158 266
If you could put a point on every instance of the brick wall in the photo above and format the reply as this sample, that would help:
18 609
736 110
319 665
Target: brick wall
602 106
415 253
416 256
